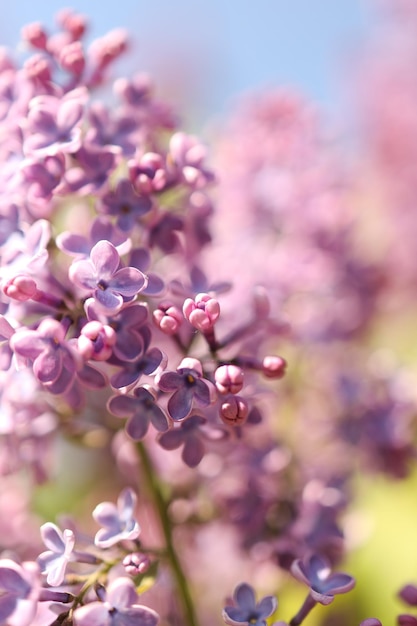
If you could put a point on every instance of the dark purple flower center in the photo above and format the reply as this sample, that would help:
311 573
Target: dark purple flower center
102 285
190 380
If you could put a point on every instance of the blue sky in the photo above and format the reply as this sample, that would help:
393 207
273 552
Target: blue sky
206 53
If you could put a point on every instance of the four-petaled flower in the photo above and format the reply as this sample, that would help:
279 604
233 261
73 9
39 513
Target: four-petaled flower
187 383
118 608
246 610
54 561
100 274
118 521
141 409
315 572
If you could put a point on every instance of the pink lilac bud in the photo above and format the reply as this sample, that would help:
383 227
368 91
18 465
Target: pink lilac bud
109 47
148 173
35 35
136 563
74 23
38 67
96 341
72 59
190 363
168 318
273 367
229 379
20 288
234 411
203 312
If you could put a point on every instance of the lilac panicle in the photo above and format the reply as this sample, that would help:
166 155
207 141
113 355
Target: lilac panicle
118 522
119 608
246 610
54 561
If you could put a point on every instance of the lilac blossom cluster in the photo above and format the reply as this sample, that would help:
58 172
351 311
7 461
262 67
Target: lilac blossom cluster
138 318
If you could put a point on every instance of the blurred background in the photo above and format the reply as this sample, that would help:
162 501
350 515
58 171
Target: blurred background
205 54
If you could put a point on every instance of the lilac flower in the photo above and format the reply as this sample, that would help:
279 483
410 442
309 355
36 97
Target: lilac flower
148 362
189 436
141 259
92 170
54 124
315 572
202 312
246 610
19 590
141 410
118 521
119 607
101 229
109 285
187 384
128 325
54 360
54 561
126 204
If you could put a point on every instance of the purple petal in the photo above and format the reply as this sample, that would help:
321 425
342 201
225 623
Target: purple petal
82 273
201 392
94 614
48 366
129 346
69 114
124 378
8 604
121 593
244 596
193 451
170 381
159 419
266 606
12 581
137 426
139 616
122 406
52 537
106 515
105 259
92 378
153 359
155 285
73 244
128 281
110 300
27 343
126 503
337 583
180 403
235 615
172 439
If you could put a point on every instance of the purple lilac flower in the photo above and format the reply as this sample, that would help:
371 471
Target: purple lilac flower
100 274
189 436
118 521
60 546
141 259
315 572
118 131
148 362
54 360
54 124
119 607
19 589
141 409
126 204
187 384
246 610
92 170
101 229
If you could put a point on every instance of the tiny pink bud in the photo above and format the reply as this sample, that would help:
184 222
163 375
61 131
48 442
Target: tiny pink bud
74 23
136 563
192 364
234 411
38 67
229 378
72 58
96 341
274 366
21 288
168 318
203 312
35 35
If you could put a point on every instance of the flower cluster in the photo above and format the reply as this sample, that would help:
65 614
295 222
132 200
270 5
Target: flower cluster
213 364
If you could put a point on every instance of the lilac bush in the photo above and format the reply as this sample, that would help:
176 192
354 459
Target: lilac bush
199 328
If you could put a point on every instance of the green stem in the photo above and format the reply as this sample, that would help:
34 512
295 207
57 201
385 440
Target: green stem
154 487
